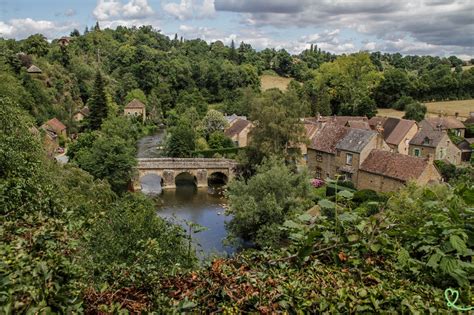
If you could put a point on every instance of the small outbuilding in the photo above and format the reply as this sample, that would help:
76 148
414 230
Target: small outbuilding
135 108
33 70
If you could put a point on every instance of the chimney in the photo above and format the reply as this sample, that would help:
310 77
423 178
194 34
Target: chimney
456 114
379 128
429 158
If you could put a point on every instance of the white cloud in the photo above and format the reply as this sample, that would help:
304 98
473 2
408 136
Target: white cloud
21 28
137 9
107 10
189 9
430 24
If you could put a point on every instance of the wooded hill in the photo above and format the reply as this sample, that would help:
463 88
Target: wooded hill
169 74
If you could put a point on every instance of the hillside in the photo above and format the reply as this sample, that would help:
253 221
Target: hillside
274 81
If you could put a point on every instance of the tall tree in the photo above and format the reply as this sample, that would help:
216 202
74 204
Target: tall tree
97 103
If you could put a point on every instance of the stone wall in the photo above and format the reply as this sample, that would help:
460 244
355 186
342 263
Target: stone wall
169 168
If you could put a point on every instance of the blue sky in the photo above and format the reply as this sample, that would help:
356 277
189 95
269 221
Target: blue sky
435 27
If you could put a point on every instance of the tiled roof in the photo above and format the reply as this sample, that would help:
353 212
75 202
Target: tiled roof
327 137
356 140
310 130
135 104
394 165
237 127
358 124
394 129
444 123
339 120
399 132
428 137
470 120
55 124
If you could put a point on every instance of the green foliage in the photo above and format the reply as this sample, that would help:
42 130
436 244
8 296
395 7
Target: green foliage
214 121
111 158
403 102
97 104
260 205
181 141
218 140
129 245
277 118
415 111
136 94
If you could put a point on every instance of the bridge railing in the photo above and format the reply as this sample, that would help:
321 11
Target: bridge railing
171 163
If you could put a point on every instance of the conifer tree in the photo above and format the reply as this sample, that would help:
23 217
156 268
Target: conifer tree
233 52
97 103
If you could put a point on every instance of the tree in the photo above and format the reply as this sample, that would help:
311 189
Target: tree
403 102
232 52
277 124
110 158
136 94
261 205
213 121
394 85
181 141
415 111
218 140
97 104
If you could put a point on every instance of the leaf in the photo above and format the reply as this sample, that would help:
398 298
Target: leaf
403 257
345 194
458 244
352 237
375 247
292 225
327 204
434 259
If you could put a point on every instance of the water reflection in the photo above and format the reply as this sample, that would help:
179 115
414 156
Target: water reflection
197 205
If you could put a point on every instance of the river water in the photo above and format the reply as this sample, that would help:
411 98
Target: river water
185 204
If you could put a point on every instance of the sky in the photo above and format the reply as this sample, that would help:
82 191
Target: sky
423 27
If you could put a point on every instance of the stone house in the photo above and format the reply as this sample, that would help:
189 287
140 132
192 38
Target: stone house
135 108
81 114
353 149
385 171
321 154
310 131
239 131
436 143
396 132
445 123
56 126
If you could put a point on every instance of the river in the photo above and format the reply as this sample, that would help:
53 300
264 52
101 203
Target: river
186 203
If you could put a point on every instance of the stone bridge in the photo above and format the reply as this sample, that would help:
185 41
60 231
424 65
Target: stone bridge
198 169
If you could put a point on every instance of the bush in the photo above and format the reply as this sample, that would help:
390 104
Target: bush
365 195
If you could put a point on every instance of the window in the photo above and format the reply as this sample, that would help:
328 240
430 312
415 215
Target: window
348 159
426 140
305 157
417 152
319 173
319 157
442 153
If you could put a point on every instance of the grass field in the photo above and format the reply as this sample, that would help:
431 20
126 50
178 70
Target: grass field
273 81
463 108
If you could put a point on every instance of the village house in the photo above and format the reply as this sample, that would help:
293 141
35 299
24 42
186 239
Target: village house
347 121
232 118
445 123
64 41
310 131
385 171
56 126
238 131
81 114
321 152
353 149
135 108
396 132
435 143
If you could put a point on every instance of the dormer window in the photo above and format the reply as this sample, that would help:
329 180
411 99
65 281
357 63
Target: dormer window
426 140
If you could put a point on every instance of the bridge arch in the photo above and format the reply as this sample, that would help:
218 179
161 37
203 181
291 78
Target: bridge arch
217 178
170 170
185 178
